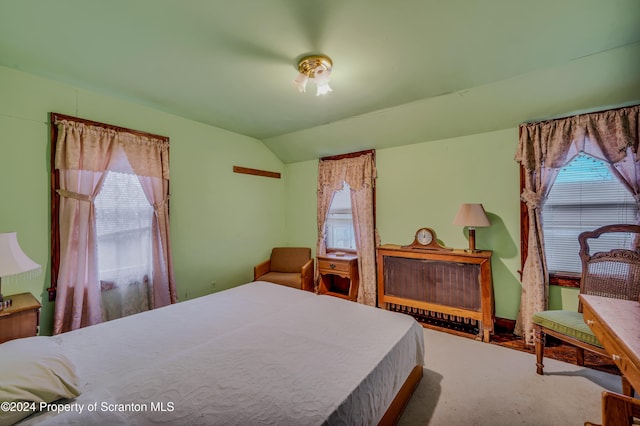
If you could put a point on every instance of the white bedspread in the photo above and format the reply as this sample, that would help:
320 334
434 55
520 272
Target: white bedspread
256 354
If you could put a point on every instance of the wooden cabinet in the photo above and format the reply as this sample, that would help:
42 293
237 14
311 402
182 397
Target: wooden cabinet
339 275
21 319
452 286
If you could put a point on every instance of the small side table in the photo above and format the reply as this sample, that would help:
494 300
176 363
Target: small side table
339 275
21 319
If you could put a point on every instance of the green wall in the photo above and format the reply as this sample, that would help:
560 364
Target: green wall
423 185
222 223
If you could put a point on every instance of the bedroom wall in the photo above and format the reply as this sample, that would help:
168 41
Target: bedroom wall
423 185
222 223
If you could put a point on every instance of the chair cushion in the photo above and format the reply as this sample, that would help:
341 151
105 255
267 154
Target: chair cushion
570 323
289 279
289 259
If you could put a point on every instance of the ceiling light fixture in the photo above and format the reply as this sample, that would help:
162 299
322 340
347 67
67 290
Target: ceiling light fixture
316 68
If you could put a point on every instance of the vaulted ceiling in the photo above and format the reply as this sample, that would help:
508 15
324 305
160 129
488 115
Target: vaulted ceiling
405 71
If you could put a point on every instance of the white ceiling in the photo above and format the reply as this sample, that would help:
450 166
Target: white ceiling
405 71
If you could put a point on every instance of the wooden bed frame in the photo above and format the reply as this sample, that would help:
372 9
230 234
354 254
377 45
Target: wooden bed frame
399 403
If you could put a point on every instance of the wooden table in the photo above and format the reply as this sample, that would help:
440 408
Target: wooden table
339 275
21 319
616 323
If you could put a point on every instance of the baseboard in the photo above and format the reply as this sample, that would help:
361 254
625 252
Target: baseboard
505 324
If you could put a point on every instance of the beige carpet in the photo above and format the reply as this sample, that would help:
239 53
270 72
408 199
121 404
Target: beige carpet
467 382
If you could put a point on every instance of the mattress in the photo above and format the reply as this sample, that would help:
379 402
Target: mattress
256 354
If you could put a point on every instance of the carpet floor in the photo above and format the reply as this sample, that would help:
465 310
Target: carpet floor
468 382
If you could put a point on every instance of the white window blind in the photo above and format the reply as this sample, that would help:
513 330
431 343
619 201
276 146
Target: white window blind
123 222
339 225
584 196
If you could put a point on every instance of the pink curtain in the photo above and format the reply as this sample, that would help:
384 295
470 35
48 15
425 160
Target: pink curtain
82 156
163 287
543 149
83 153
359 173
149 159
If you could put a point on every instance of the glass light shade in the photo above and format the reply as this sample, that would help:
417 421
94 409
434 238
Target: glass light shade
12 258
471 215
321 78
323 89
300 82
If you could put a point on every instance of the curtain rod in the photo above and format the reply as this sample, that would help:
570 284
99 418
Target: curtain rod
350 155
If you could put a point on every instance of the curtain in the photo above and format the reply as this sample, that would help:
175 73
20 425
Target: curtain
82 156
359 173
362 206
88 151
544 148
149 158
164 288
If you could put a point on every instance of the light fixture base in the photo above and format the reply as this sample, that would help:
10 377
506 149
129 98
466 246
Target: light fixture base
311 64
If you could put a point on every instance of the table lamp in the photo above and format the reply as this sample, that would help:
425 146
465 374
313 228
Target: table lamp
13 261
472 216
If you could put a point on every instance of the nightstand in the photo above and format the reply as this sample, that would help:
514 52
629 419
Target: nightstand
21 319
339 275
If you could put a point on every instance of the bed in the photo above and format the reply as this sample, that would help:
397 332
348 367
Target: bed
256 354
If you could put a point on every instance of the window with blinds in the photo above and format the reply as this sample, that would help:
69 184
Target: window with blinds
123 227
339 224
584 196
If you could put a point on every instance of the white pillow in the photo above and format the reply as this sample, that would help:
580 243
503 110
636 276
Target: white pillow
34 369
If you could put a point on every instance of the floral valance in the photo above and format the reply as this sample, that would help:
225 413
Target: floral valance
612 133
83 146
356 172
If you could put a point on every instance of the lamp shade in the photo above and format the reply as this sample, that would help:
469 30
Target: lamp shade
471 215
12 258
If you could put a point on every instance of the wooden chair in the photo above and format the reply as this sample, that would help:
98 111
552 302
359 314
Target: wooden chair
290 266
612 273
618 410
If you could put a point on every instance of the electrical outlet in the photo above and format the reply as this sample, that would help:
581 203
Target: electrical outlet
213 286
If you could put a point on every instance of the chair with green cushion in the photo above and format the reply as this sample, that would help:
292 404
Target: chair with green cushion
609 272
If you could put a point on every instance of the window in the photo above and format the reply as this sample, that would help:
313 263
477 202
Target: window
110 255
339 225
585 195
123 227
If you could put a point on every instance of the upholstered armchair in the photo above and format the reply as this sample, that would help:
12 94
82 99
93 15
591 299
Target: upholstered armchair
290 266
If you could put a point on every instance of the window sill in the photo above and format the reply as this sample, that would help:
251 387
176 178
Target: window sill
565 280
335 250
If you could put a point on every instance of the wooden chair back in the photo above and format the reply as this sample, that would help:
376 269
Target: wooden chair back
614 272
